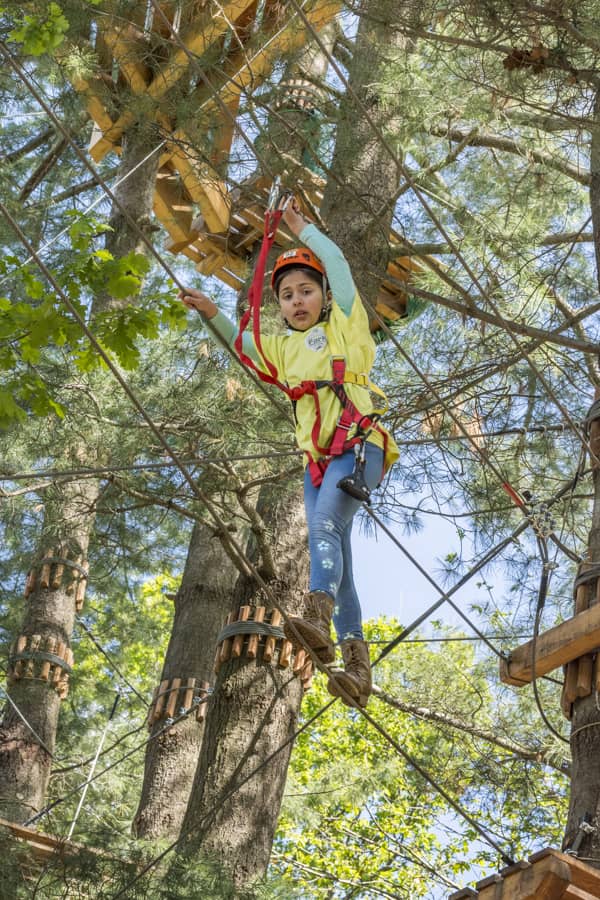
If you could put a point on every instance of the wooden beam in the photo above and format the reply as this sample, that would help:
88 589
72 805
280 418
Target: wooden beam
242 70
197 39
128 49
553 648
174 212
201 183
94 91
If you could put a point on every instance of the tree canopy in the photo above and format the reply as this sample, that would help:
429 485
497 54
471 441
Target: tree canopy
483 118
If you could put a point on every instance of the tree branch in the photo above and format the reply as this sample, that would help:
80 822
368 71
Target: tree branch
538 755
508 145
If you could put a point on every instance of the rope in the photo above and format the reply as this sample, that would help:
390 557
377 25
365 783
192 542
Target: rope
589 571
417 192
61 560
41 655
541 600
178 463
249 627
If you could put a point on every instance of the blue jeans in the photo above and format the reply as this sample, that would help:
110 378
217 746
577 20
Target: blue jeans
329 515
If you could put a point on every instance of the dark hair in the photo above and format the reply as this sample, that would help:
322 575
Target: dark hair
310 273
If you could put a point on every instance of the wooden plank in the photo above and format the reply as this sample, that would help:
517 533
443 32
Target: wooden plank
160 700
238 641
574 893
252 648
45 573
584 675
570 682
215 259
226 645
554 648
94 91
45 668
306 676
173 698
285 654
234 281
197 39
173 211
201 182
544 878
270 641
299 660
188 696
582 876
128 48
242 70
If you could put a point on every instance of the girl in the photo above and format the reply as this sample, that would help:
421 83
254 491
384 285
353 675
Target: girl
328 346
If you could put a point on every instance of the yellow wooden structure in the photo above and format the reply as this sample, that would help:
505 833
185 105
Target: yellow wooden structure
547 875
213 58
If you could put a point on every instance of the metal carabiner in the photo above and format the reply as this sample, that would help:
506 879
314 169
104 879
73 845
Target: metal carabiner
274 194
278 197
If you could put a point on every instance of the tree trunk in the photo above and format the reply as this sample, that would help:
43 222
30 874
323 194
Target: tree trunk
253 713
584 803
201 603
36 684
41 656
584 806
358 201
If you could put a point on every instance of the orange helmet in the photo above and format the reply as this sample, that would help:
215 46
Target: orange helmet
299 257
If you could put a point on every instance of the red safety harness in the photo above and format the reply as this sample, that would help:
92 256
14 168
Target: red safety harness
350 415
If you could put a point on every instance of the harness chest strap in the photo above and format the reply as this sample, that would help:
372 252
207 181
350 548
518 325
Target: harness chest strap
349 416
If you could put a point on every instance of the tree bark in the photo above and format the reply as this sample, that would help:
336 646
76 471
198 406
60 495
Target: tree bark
26 747
358 199
584 806
201 603
232 814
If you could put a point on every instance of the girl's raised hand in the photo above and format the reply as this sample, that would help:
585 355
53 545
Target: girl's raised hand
194 299
293 218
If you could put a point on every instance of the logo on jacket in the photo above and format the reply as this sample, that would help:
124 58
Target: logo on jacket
316 339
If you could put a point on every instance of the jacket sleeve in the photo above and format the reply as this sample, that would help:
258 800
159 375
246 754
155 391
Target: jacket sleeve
338 271
227 331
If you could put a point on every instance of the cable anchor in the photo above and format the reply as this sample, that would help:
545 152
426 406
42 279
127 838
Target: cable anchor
539 516
584 829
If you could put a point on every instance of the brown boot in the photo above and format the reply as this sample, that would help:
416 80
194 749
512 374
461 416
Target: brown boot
315 625
355 679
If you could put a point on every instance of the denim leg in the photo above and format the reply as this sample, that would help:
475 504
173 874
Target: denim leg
329 514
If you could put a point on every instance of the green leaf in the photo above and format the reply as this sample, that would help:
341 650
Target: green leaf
10 411
38 35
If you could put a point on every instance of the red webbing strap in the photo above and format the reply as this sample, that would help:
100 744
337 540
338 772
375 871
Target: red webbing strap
272 219
349 413
513 494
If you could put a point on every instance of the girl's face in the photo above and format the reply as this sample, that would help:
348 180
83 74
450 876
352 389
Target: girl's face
300 300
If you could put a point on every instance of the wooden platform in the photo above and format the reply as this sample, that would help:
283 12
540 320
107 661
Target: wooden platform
547 875
556 647
141 62
41 846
